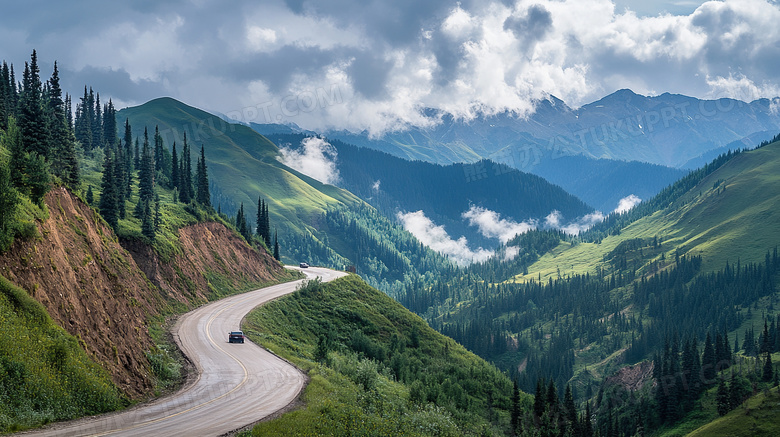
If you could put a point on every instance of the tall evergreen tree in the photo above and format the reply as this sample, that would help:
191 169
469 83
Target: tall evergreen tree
540 398
97 121
83 123
708 362
175 170
186 191
109 201
514 415
147 219
146 181
62 144
69 112
120 178
32 120
109 124
570 410
129 158
202 181
587 425
7 94
278 257
158 150
768 372
722 398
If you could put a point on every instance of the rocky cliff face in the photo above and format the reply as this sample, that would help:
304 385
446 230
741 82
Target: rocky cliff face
104 294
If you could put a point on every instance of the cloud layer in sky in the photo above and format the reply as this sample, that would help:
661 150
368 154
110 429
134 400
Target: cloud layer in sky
315 158
377 65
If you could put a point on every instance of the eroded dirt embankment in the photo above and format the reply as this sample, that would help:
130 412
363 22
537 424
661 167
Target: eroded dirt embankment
104 292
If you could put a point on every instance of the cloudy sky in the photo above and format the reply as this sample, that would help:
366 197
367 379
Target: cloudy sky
375 65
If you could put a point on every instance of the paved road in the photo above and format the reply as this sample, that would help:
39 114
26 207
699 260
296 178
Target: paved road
238 384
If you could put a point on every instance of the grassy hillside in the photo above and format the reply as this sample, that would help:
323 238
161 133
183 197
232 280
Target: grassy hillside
376 369
729 215
758 416
241 162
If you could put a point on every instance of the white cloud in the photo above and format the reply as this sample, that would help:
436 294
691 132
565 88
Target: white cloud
555 221
260 38
627 203
436 238
511 252
491 225
476 57
316 159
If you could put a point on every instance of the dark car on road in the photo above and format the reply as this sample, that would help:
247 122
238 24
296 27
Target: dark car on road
236 337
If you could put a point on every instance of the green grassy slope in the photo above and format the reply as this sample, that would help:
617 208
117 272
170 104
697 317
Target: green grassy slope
45 375
758 416
242 162
381 369
730 214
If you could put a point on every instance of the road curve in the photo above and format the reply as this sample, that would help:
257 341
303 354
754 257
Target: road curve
237 384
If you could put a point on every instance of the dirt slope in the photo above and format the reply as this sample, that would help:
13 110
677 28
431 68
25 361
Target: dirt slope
104 294
209 251
90 286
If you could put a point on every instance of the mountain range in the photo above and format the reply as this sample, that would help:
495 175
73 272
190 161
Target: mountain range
597 152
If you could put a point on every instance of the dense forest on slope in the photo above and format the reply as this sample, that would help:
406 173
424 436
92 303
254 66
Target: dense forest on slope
444 193
645 294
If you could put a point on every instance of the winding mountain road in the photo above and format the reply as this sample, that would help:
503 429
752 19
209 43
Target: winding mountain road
237 384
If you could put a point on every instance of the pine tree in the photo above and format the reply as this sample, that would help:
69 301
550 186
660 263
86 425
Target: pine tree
97 122
186 192
708 361
129 159
32 120
83 124
241 225
108 206
722 398
7 91
540 398
203 196
276 247
768 372
145 177
158 150
120 179
136 154
128 140
175 176
764 340
587 426
267 226
147 220
69 112
514 419
62 147
109 124
90 198
570 410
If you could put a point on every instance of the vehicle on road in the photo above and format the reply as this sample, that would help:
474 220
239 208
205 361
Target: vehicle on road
236 337
303 265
